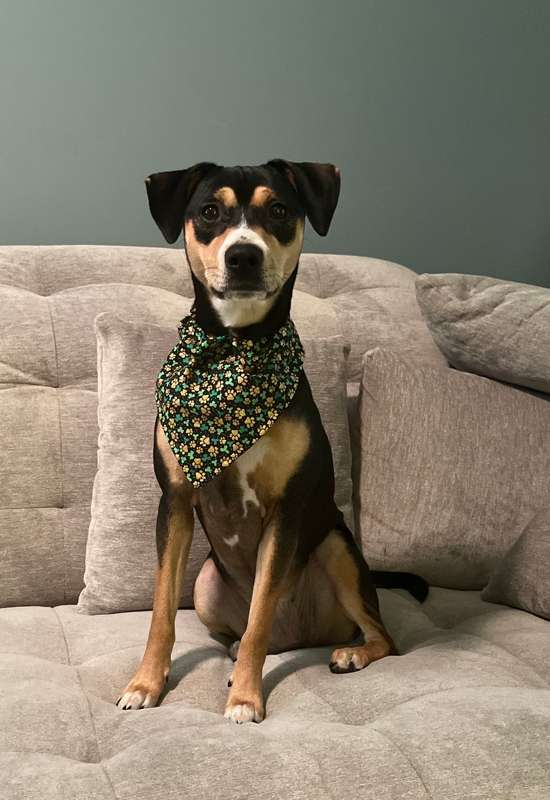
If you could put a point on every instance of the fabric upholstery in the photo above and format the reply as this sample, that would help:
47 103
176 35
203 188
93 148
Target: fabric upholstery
49 297
453 467
522 578
493 327
121 546
463 712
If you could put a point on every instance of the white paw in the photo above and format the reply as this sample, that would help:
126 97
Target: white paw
349 659
243 712
136 700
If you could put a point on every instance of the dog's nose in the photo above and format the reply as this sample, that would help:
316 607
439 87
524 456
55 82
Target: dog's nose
243 258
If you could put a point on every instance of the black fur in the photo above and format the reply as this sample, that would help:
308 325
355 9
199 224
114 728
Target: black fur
414 584
307 505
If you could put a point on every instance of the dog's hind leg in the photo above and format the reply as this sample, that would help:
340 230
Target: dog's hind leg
217 604
174 534
349 572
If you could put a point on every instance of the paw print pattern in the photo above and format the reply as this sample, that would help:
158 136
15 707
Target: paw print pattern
218 394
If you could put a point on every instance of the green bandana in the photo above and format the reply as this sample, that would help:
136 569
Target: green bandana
216 395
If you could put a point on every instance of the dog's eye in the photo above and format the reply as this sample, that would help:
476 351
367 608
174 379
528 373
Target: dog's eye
277 210
210 212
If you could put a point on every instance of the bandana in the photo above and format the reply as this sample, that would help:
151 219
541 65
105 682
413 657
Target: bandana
218 394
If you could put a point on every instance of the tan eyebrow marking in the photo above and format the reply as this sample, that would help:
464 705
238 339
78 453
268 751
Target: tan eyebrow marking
261 195
227 196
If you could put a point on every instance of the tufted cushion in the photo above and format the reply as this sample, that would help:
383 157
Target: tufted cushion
464 712
49 297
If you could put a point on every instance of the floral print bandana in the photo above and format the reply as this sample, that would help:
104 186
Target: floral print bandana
218 394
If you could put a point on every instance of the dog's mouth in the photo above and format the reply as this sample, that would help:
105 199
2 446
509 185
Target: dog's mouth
243 293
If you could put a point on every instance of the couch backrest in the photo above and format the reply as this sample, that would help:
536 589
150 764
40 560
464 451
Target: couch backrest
49 297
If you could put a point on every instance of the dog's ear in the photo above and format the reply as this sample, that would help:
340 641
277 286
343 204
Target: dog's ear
169 194
318 187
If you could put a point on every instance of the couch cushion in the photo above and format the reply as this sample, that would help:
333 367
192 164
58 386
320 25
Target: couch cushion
522 577
496 328
126 494
453 467
464 712
48 449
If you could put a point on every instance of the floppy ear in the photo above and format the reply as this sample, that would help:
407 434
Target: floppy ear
318 187
169 194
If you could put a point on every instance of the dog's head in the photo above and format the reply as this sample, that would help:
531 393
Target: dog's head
243 227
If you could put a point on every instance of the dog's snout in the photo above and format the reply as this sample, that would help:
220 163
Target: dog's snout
243 258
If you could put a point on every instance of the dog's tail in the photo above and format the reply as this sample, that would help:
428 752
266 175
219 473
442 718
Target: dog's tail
414 584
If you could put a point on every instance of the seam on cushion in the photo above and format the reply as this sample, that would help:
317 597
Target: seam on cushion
92 721
435 692
510 653
320 773
454 630
24 508
54 609
455 624
308 689
407 758
57 387
319 280
222 651
421 607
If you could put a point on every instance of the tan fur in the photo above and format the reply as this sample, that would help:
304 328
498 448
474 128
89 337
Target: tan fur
279 263
342 569
288 443
148 682
245 700
176 476
282 257
203 259
261 196
227 196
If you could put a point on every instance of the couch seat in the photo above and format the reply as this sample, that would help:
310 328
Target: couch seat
463 713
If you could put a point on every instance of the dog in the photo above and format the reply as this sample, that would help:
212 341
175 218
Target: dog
284 571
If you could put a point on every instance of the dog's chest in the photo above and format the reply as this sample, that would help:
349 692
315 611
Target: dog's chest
233 505
236 505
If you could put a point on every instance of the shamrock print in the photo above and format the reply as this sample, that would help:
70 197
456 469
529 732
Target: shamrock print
218 394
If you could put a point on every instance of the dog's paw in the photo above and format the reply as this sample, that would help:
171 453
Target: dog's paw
143 691
245 703
139 698
349 659
244 712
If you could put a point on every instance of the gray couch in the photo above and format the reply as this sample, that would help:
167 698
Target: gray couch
463 712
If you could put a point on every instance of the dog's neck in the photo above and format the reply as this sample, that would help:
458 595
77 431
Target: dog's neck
209 320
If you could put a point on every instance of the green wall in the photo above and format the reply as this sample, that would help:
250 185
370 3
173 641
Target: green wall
436 111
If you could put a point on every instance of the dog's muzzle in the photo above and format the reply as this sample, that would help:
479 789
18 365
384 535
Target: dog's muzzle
244 268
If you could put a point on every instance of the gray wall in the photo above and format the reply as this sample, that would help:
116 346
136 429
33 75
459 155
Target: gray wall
436 111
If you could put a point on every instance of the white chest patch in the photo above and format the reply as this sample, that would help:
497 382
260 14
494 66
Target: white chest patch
236 312
246 464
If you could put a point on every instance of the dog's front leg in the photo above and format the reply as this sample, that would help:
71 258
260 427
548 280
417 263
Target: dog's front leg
275 555
174 535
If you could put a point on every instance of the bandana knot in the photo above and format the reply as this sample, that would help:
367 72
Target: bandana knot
218 394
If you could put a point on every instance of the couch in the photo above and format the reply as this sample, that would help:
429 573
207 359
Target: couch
464 710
